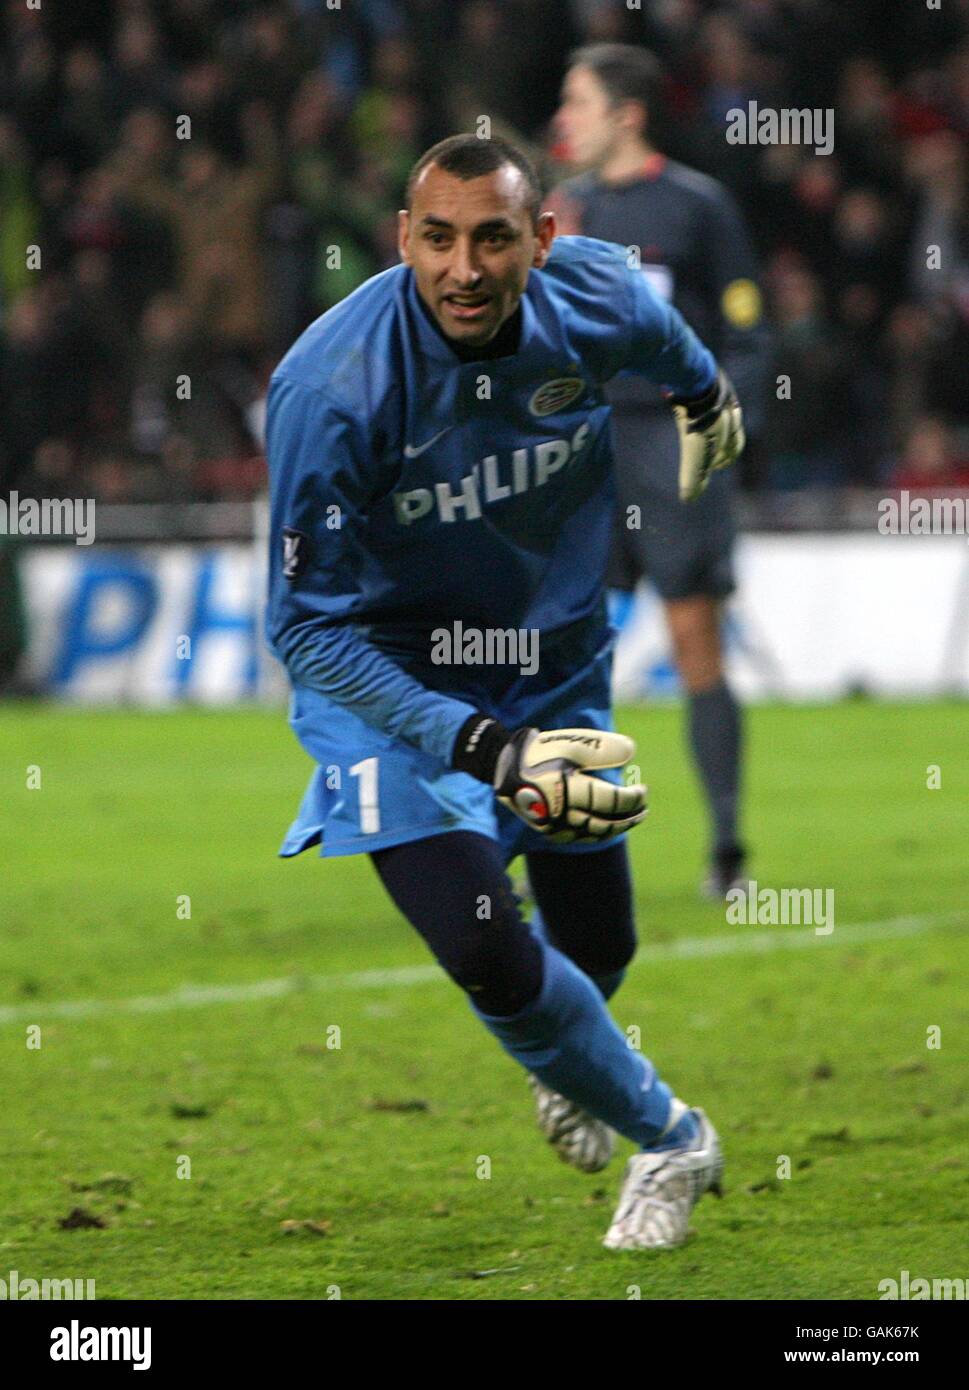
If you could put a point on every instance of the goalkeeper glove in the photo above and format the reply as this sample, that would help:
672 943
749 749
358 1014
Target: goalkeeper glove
547 778
711 434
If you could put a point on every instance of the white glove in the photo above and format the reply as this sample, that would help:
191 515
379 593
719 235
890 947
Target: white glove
548 780
711 434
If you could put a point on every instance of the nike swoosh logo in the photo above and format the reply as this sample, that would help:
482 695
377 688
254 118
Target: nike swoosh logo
412 452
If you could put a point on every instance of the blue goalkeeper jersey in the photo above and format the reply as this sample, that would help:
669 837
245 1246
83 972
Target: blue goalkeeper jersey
411 490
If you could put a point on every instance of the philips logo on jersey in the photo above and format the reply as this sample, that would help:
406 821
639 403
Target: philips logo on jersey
491 480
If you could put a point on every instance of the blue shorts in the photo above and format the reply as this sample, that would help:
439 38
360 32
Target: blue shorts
370 791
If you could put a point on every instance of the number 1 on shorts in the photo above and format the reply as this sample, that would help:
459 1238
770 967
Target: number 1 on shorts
369 807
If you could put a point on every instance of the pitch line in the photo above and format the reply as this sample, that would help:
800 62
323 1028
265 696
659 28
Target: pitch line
689 948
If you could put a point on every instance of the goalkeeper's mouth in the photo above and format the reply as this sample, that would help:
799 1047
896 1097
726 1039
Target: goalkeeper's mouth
468 308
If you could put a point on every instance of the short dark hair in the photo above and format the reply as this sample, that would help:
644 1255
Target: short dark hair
468 157
627 72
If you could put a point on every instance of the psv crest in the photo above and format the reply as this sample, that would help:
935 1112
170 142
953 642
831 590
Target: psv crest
556 395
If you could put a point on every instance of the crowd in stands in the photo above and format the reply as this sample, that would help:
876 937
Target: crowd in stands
150 282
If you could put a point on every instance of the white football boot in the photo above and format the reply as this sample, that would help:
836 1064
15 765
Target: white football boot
577 1137
660 1189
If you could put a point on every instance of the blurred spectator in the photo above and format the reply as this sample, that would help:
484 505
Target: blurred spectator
806 435
864 112
135 241
18 211
937 167
909 347
214 210
865 254
476 84
176 396
141 75
270 64
931 459
42 389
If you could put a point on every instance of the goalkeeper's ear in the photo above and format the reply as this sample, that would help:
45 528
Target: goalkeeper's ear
544 236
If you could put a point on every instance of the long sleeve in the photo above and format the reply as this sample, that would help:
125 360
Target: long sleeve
662 346
744 341
322 477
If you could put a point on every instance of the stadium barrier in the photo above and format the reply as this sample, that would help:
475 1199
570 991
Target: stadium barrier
816 617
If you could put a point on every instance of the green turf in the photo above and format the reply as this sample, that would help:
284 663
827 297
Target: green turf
817 1053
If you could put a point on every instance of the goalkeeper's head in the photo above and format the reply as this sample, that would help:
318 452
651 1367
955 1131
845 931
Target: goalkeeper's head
471 232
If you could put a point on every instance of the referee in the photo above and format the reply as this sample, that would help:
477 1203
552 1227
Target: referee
692 245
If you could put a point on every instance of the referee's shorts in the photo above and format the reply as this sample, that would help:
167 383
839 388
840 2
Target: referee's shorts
684 548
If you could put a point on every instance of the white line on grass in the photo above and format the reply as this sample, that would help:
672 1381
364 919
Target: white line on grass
689 948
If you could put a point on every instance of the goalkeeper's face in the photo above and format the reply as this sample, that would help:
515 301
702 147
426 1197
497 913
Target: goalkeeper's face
471 244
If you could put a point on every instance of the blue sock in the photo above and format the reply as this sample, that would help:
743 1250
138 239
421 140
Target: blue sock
680 1135
607 984
568 1038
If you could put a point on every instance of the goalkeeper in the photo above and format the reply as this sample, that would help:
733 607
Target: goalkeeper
439 455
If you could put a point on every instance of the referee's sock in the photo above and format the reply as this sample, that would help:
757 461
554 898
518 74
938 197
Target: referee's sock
715 738
567 1037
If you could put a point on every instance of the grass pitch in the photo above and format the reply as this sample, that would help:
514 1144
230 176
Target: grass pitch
174 1044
